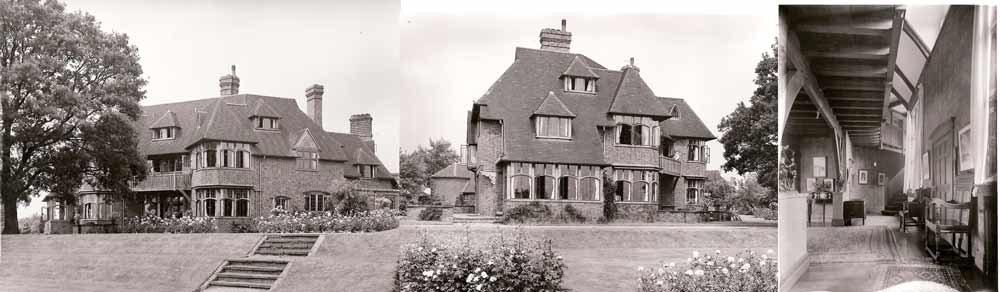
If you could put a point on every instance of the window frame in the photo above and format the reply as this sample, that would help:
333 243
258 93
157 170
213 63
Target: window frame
571 82
563 128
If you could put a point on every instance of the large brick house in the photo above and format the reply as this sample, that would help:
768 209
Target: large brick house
234 157
556 122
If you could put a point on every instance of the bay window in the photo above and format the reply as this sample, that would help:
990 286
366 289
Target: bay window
638 131
698 151
694 187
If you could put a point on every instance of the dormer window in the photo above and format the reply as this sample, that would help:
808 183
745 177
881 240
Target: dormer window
553 127
164 133
367 171
579 84
636 131
266 123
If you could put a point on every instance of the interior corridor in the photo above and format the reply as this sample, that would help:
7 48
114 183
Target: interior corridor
878 256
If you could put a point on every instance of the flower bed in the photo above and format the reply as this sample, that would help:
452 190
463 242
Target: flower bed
765 213
498 264
155 224
747 271
306 222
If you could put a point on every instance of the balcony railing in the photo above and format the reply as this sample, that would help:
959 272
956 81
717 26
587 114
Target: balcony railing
164 182
670 166
892 137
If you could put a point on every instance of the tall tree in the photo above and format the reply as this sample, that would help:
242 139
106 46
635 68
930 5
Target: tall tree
416 168
750 133
69 95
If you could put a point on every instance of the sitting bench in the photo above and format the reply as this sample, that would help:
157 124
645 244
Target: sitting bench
944 218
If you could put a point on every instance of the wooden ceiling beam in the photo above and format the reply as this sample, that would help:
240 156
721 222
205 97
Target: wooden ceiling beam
841 29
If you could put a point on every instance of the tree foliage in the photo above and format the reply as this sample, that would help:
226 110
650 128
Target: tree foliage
750 133
718 190
416 168
69 95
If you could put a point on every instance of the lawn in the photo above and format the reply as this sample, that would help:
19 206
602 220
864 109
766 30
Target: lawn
598 257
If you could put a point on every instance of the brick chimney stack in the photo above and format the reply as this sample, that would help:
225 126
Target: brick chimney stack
229 84
555 39
314 103
361 125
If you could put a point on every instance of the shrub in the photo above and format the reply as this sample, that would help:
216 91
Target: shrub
352 203
571 214
498 264
430 214
155 224
31 224
306 222
609 209
381 203
746 271
766 213
533 212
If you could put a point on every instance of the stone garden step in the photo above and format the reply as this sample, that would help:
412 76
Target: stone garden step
239 284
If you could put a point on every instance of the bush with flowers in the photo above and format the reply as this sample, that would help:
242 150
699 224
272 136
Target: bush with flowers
282 221
512 263
156 224
746 271
766 213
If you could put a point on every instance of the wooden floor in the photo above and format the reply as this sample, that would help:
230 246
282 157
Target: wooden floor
863 275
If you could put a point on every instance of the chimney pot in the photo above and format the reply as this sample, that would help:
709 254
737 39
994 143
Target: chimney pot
556 40
314 103
361 125
229 84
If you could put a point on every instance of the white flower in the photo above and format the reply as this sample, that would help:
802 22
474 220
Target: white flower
479 287
477 270
672 264
732 266
483 274
453 266
695 253
710 263
745 266
718 251
770 251
493 279
640 269
689 272
725 271
468 279
490 262
428 273
731 259
660 271
761 263
434 249
659 283
699 272
764 256
741 260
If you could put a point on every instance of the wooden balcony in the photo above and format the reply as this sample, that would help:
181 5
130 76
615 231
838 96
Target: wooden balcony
892 137
670 166
164 182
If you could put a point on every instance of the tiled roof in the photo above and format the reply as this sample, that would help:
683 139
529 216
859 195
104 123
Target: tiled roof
263 110
552 106
353 145
455 170
226 118
578 69
687 124
169 119
523 87
634 97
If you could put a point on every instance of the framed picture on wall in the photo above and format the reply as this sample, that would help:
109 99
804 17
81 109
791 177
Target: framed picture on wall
828 183
881 178
965 149
863 177
810 185
819 166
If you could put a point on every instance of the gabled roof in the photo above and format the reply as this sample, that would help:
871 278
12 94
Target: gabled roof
578 69
261 109
455 170
552 106
687 124
169 119
304 140
352 144
633 97
225 119
514 98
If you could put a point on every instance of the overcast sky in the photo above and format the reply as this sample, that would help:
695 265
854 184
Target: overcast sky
279 49
450 55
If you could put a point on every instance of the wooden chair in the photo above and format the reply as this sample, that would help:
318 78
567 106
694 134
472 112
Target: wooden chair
940 221
911 215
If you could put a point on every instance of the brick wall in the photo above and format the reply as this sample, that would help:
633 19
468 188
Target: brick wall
447 190
280 178
490 145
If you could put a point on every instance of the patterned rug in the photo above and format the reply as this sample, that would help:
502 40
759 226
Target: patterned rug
860 244
923 278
